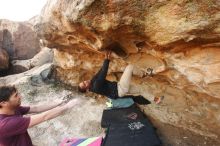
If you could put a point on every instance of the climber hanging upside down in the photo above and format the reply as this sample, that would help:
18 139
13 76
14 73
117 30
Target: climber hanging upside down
111 89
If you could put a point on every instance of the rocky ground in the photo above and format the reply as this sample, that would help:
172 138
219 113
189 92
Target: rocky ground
84 120
81 121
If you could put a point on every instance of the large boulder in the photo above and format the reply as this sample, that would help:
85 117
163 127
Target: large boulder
177 39
41 58
94 23
18 39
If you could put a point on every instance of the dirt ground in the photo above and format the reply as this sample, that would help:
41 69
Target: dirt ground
174 136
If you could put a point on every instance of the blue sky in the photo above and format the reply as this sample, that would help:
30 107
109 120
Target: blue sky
20 10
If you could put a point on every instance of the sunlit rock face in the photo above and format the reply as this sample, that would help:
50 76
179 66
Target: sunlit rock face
18 39
178 41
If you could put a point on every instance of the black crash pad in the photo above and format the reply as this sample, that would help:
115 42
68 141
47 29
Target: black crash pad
128 127
121 115
140 133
